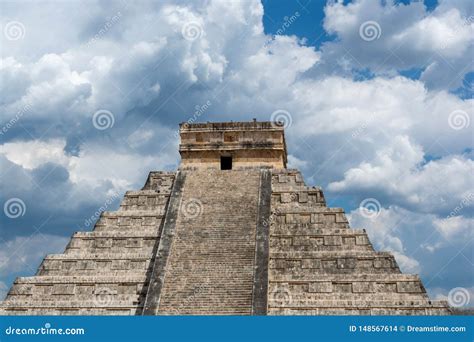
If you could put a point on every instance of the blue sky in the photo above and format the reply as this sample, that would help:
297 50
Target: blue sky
376 97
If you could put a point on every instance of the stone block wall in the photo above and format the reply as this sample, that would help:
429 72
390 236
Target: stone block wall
250 144
319 266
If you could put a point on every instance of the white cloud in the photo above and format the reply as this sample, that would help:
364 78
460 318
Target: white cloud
31 154
448 33
409 37
398 172
455 227
24 253
94 164
296 163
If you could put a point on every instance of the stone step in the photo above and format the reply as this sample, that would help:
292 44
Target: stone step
133 220
149 232
147 200
297 264
72 304
215 251
300 197
328 255
360 304
288 208
40 291
54 311
306 299
358 278
97 279
132 214
99 262
108 245
379 309
313 229
335 219
129 229
350 285
99 256
93 270
315 242
158 180
230 310
284 247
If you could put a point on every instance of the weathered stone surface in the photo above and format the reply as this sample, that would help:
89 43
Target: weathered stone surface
328 268
250 144
251 240
212 262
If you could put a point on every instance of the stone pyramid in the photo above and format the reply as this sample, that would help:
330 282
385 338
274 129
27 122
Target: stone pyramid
233 231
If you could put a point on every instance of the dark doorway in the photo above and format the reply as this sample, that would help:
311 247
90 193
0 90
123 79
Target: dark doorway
226 163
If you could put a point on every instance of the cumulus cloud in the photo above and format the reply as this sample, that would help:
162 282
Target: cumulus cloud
400 172
405 36
455 227
31 154
358 124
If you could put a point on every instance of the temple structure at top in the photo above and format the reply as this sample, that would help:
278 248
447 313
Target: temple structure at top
232 145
